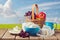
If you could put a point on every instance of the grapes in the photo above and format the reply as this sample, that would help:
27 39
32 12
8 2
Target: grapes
29 14
23 34
27 34
26 14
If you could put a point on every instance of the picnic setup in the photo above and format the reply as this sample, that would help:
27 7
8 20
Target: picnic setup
35 27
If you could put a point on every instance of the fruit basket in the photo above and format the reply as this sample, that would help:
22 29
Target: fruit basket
37 18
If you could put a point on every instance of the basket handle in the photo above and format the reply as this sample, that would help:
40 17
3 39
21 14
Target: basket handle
34 5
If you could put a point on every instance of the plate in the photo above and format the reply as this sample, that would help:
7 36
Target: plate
14 32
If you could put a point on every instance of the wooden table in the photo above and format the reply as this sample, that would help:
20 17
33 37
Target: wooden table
5 35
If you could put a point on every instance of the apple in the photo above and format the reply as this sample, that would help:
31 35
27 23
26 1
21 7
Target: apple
41 15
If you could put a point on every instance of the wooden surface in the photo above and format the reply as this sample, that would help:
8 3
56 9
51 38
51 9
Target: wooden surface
5 35
2 32
8 36
20 38
58 36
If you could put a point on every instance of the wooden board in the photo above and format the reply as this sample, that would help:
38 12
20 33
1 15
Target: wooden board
20 38
35 38
5 35
57 31
8 36
58 36
2 32
51 38
46 38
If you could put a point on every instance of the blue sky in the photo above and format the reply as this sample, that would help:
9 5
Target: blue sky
11 11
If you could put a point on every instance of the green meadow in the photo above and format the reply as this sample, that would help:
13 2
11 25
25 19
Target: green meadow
57 26
10 26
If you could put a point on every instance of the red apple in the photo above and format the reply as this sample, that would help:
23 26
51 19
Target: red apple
41 15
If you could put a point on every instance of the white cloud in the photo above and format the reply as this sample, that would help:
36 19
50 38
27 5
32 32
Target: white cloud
6 11
19 14
10 16
1 6
43 6
8 4
48 4
53 19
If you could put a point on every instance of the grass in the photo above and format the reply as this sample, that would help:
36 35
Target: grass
57 27
10 26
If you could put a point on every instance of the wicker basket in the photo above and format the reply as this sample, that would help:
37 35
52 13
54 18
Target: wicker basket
36 21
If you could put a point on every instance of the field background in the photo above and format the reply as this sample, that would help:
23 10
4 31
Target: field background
10 26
